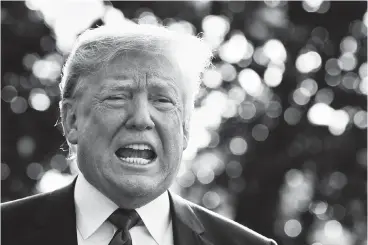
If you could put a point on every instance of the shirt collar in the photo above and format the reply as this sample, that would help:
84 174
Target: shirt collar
156 216
93 208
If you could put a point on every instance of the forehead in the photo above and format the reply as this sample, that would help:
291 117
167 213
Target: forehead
137 64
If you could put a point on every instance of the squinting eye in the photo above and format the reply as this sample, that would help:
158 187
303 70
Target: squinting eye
117 97
163 100
114 98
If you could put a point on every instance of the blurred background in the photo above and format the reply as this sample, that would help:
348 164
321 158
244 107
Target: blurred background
278 137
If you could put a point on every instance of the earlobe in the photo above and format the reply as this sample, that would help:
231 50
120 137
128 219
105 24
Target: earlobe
72 136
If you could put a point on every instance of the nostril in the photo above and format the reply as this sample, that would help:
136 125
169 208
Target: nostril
140 123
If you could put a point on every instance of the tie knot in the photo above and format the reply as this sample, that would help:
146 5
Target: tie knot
124 219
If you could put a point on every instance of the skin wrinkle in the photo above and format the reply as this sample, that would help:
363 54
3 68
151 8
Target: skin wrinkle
96 48
104 124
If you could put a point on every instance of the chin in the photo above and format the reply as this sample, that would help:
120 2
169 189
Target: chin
140 187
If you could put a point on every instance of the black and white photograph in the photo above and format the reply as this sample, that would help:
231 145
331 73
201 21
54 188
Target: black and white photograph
184 122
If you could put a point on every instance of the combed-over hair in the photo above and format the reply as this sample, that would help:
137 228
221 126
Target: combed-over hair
96 48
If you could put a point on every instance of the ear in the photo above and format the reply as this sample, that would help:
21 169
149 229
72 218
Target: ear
185 134
69 121
185 142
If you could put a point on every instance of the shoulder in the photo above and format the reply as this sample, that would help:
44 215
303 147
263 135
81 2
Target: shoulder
222 228
30 212
21 206
20 218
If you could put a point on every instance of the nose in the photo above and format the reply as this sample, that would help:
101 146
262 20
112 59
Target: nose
140 118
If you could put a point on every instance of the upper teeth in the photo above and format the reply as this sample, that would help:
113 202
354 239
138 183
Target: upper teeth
139 147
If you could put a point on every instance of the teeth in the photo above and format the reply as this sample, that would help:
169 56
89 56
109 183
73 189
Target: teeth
135 160
138 147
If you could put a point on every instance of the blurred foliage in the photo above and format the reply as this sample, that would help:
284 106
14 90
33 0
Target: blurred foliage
278 140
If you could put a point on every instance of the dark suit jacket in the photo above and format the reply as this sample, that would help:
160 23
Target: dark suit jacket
49 219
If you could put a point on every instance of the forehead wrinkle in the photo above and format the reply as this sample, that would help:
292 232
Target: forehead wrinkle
122 81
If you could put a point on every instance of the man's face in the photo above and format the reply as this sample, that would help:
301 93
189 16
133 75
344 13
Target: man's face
130 128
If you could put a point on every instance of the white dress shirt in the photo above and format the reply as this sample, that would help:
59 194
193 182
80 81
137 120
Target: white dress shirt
93 209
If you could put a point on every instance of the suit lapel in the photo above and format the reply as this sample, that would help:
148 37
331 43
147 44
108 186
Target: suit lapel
56 221
187 228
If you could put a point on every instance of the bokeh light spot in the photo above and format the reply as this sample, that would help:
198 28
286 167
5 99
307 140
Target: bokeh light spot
233 169
332 67
52 180
247 110
308 62
46 69
325 96
363 70
273 76
237 94
250 82
59 162
361 157
205 175
228 72
5 171
292 115
211 200
186 180
212 78
18 105
26 146
231 109
113 16
301 96
333 81
318 207
360 119
337 180
350 80
338 122
333 229
275 51
347 62
294 178
215 25
292 228
259 56
260 132
39 100
310 85
363 86
8 93
34 171
349 44
235 49
238 146
29 60
274 109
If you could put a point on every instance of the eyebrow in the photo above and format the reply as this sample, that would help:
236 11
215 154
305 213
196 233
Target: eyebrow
118 82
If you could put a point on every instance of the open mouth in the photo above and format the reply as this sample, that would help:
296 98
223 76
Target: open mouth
136 154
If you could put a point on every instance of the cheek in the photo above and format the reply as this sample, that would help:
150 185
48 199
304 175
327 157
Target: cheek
170 126
101 123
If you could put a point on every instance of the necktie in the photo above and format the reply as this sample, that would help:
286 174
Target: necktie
124 220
